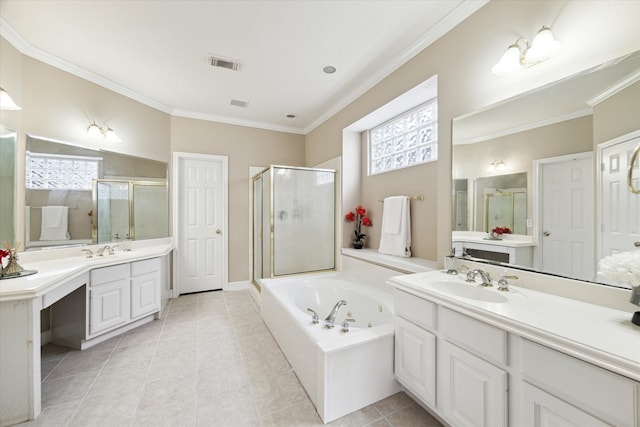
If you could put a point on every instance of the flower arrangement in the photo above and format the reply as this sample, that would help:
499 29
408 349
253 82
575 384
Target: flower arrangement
12 268
497 232
623 267
361 220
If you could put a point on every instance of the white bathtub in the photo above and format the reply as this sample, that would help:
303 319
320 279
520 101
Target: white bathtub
341 372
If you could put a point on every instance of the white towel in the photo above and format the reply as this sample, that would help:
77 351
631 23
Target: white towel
55 223
395 237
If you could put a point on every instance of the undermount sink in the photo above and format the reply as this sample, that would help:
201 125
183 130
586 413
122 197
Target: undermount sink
469 291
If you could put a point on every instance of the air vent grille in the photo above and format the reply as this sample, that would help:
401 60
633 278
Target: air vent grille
238 103
224 63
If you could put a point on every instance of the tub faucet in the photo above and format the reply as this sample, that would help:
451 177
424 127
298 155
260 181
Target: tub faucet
331 318
486 278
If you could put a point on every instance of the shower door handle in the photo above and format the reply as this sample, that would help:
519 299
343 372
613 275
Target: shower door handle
218 231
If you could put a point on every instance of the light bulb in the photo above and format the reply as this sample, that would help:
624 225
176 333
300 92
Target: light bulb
111 136
6 103
94 130
509 62
543 46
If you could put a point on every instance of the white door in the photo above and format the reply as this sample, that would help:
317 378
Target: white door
567 221
619 207
201 220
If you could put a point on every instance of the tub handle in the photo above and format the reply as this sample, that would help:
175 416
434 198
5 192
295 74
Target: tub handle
314 316
345 324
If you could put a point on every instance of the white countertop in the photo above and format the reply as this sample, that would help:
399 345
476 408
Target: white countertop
599 335
401 264
55 267
509 240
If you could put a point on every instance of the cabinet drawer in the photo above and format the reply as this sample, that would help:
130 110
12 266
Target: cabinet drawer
604 394
415 309
479 337
100 276
146 266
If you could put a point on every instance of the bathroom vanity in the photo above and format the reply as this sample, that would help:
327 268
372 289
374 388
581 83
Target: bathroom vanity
91 300
479 357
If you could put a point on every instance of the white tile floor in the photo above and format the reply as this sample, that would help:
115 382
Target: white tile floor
209 361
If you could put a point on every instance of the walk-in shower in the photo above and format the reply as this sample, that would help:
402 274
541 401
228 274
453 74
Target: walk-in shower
293 221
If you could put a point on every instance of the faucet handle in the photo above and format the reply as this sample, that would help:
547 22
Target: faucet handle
88 251
314 317
345 324
503 282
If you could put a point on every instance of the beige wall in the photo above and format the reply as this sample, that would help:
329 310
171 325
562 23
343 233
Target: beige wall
462 59
617 115
245 147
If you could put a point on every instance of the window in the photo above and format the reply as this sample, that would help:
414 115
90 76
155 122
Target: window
406 140
58 172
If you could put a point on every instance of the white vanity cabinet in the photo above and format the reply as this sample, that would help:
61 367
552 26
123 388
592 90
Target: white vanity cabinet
109 298
474 373
145 287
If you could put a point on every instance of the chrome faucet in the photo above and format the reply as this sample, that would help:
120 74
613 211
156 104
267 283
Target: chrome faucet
486 278
314 316
331 318
109 249
345 324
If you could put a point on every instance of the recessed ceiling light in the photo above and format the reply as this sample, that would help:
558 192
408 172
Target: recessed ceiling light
291 116
329 69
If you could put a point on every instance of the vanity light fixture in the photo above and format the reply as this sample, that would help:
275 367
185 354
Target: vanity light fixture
496 166
522 55
6 103
96 131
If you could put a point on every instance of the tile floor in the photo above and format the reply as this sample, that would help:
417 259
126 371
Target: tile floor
209 361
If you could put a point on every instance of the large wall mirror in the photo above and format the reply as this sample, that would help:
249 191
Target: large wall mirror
77 196
8 143
547 139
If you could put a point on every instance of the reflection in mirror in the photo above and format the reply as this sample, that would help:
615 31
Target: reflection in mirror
62 182
548 135
7 184
501 201
460 211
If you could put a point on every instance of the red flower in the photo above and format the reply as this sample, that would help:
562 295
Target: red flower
366 221
350 217
361 211
501 230
3 254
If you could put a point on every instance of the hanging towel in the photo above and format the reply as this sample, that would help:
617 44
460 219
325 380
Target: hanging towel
55 223
395 236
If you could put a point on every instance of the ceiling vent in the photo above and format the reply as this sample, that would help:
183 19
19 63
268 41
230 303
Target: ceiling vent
224 63
237 103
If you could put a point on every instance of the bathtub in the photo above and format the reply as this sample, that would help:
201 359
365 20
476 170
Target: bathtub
341 372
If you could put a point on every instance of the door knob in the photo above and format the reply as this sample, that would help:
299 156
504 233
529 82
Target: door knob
636 244
546 234
218 231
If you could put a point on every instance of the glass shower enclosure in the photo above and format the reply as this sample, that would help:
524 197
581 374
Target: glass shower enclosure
293 221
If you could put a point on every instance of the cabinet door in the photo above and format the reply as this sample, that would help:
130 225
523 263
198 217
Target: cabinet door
545 410
415 360
145 294
473 392
109 306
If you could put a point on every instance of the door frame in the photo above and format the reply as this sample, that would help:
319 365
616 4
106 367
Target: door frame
538 196
599 166
177 158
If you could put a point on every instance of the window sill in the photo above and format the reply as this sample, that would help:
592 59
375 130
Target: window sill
402 265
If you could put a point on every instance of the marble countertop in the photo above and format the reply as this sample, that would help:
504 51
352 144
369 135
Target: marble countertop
55 267
599 335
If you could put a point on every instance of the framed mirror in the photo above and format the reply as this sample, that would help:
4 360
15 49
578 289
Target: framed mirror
77 196
550 137
8 141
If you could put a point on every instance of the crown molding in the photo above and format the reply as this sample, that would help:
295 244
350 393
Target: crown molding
235 121
617 87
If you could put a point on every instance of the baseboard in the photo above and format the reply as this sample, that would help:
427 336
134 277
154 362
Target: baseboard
237 286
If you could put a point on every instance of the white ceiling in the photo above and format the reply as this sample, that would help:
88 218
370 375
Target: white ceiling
157 51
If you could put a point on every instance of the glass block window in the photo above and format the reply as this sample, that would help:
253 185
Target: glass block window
406 140
57 172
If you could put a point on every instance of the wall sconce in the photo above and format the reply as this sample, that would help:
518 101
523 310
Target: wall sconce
520 54
96 131
496 166
6 103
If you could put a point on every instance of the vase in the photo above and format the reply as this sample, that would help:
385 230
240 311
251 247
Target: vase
358 244
494 236
12 268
